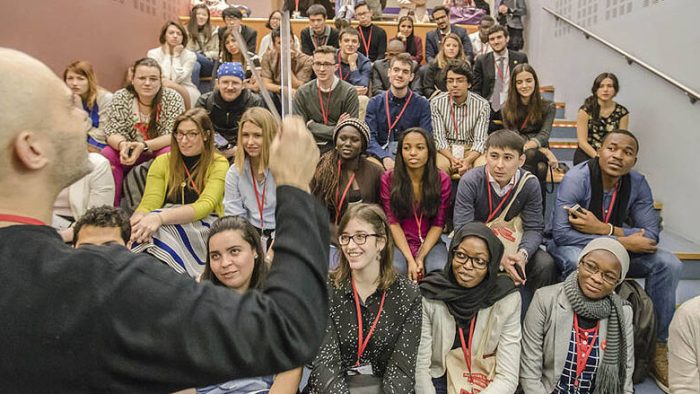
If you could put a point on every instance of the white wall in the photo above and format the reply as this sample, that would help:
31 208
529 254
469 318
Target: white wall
665 34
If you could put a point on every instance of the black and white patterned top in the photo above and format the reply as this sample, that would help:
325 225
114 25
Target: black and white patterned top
392 349
598 129
566 383
123 114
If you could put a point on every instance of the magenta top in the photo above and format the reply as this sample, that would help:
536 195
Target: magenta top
409 225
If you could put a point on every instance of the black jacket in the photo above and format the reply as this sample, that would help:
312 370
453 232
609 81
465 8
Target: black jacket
225 115
102 319
485 74
307 43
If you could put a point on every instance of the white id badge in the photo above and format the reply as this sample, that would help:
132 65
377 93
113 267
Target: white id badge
365 369
263 241
296 15
393 146
458 151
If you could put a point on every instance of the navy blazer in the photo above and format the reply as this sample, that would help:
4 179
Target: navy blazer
432 43
485 73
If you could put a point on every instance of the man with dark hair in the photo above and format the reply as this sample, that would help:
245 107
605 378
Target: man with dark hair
492 72
353 67
380 68
105 225
395 110
271 71
326 100
460 122
500 193
317 33
441 17
227 103
233 18
372 37
604 197
480 38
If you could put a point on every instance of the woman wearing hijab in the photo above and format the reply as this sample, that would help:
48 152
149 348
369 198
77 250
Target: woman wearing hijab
470 339
577 335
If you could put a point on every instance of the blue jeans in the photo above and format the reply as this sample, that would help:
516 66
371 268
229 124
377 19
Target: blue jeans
434 261
202 68
661 270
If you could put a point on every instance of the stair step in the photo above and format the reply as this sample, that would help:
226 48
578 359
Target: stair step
561 110
547 92
563 129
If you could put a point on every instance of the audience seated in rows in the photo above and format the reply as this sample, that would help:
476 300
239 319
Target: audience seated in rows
480 38
460 122
510 14
95 100
380 68
433 39
416 199
598 115
604 197
470 337
391 112
412 43
353 67
327 100
102 226
140 121
372 37
176 62
318 33
203 40
250 188
274 22
183 196
364 289
227 103
233 19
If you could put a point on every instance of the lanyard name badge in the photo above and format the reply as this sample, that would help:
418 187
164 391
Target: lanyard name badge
367 43
339 199
493 212
327 106
296 14
467 349
362 341
584 346
457 149
261 204
391 125
608 212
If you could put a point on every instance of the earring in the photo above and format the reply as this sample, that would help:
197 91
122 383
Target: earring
255 256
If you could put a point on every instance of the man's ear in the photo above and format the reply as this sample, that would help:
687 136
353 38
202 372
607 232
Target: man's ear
31 150
521 160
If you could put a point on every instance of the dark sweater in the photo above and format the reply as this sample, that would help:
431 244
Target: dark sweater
377 42
471 204
101 319
226 114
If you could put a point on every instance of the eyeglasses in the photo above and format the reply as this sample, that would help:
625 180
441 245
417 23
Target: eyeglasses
323 65
593 269
359 238
462 258
189 136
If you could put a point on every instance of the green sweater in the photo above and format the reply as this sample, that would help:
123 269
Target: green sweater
343 99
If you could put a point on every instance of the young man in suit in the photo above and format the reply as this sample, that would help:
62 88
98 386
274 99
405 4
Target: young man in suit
318 33
441 16
492 72
233 18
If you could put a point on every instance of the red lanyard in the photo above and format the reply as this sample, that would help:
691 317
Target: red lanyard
315 41
296 5
362 36
258 200
340 67
361 340
468 350
612 204
454 119
584 346
389 123
527 119
501 75
492 212
339 204
323 109
189 177
21 219
419 223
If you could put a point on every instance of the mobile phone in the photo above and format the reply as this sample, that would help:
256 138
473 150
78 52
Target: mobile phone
519 270
575 209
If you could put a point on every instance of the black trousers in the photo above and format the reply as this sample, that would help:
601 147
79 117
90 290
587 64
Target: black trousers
516 42
541 270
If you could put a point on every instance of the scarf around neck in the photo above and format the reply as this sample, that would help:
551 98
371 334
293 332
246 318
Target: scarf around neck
619 210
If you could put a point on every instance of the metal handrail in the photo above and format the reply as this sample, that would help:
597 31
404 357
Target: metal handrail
692 95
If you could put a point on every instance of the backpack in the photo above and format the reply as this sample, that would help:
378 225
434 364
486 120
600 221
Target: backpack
644 324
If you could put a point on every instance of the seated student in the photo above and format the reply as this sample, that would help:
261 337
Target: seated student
81 80
480 38
233 17
416 197
250 188
611 196
325 101
526 112
92 190
231 53
274 21
203 40
380 68
227 103
140 120
433 39
103 226
317 33
577 335
460 122
411 42
387 304
236 260
492 72
344 177
598 115
391 112
434 76
353 66
184 190
176 62
684 349
373 37
272 70
471 320
508 198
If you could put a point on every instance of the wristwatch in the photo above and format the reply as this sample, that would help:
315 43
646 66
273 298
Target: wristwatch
145 146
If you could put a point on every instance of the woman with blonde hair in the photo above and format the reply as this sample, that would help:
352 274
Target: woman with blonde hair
183 196
250 187
450 49
95 100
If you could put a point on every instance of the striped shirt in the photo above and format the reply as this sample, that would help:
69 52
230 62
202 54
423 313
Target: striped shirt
471 117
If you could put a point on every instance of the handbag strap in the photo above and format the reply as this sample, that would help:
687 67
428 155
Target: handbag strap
521 184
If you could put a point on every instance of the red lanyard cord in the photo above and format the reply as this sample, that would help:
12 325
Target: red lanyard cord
501 75
21 219
525 122
492 212
258 200
189 177
323 108
419 223
362 341
612 204
393 124
468 350
340 68
339 203
454 120
584 346
367 43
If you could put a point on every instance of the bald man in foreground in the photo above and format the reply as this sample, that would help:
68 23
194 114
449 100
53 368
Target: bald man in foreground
101 319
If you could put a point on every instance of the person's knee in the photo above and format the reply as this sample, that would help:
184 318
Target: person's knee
566 258
436 258
542 270
668 262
